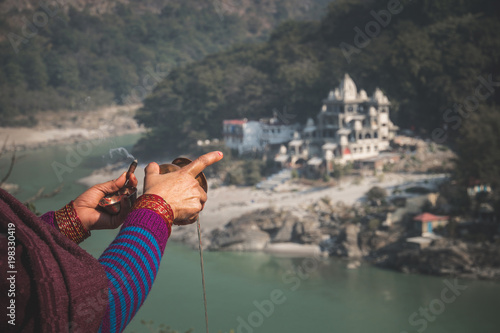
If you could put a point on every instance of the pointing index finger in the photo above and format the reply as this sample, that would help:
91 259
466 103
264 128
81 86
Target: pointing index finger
199 164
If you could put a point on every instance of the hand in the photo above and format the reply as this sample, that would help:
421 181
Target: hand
179 188
86 204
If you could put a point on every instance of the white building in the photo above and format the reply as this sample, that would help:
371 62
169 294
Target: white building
350 126
242 135
254 136
276 132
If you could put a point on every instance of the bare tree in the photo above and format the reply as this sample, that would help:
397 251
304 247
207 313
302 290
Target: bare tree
40 193
12 161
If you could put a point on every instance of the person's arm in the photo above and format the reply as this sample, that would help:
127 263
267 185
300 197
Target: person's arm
132 260
67 219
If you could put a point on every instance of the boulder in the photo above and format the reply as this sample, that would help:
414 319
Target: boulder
351 241
285 233
239 239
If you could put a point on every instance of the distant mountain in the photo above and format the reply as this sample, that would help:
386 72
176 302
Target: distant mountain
291 8
77 54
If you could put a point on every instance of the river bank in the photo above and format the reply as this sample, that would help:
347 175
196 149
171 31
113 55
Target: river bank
298 220
359 233
69 127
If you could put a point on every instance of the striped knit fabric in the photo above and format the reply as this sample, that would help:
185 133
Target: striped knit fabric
131 263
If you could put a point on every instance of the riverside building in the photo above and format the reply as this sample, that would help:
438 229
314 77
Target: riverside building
351 126
249 136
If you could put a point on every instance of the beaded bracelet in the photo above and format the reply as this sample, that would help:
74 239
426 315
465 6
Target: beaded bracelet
70 225
158 205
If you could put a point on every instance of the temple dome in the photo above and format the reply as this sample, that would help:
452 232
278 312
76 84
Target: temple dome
363 95
379 97
347 89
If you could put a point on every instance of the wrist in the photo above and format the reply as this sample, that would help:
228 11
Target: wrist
158 205
161 198
70 225
80 211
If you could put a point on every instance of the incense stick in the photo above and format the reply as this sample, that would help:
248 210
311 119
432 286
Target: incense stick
130 171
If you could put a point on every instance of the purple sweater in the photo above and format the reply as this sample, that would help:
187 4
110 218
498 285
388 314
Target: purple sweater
131 263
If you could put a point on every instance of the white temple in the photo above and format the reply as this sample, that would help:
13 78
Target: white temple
350 126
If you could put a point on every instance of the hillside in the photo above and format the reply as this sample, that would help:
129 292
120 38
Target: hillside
428 56
85 53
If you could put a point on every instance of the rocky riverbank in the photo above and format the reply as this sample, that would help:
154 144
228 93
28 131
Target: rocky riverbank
300 220
357 232
443 257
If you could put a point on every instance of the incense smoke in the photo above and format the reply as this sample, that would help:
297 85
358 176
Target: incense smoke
122 153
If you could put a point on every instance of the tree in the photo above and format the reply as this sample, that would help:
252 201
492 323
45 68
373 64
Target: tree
478 150
35 71
376 195
3 178
40 194
236 176
252 170
478 147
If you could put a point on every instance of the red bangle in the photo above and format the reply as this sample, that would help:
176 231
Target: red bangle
158 205
70 225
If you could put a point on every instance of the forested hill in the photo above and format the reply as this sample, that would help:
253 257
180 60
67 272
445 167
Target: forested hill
77 54
426 56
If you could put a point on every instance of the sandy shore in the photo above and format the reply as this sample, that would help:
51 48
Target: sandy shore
72 126
226 203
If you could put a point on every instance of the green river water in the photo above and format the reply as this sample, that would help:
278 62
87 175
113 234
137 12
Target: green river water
254 292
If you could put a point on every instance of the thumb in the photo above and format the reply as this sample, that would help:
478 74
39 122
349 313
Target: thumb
152 169
112 185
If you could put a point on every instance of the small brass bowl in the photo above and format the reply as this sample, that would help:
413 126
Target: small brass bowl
177 164
111 203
